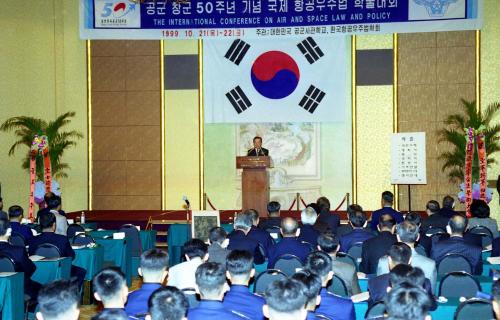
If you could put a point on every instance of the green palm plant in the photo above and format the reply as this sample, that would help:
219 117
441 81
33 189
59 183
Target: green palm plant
454 134
25 128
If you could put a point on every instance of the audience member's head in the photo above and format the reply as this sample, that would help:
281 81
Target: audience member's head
285 300
243 222
110 287
414 217
110 314
407 302
496 298
387 199
218 235
273 209
314 206
386 223
311 287
289 227
352 209
479 209
407 232
320 263
457 225
47 221
5 229
153 266
406 273
239 265
54 203
308 216
16 213
432 207
323 204
167 303
448 202
329 243
254 214
211 281
358 219
194 248
399 253
58 300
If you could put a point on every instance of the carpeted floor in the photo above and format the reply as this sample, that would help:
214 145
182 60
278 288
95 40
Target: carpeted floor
88 311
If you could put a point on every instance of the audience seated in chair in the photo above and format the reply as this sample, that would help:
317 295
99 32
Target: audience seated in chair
211 285
408 233
285 300
110 287
311 287
289 244
408 302
167 303
308 233
423 241
375 248
480 217
153 269
329 244
182 275
325 217
331 306
48 225
20 258
447 210
358 221
387 201
54 204
218 242
239 239
262 236
58 300
435 219
273 220
15 217
240 270
456 244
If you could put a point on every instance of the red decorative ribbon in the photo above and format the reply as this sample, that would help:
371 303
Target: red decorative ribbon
210 204
469 155
293 203
481 151
39 146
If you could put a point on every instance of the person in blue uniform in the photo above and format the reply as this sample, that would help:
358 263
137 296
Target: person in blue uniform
331 306
311 288
387 203
239 239
331 220
110 287
285 300
153 269
273 220
375 248
408 301
240 270
357 219
167 303
262 236
59 300
20 258
15 217
211 284
48 224
289 244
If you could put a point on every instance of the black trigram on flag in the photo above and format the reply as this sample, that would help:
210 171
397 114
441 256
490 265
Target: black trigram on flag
312 99
310 50
237 51
238 99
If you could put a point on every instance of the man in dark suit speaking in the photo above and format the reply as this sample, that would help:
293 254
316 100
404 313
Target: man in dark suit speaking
257 150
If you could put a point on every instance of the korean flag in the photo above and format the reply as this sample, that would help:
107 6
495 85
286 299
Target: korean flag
283 80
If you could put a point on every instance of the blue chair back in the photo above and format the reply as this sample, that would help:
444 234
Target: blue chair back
48 250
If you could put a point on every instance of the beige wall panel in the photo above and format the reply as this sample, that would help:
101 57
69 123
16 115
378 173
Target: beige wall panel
110 202
456 39
143 48
143 202
143 178
109 177
143 143
416 102
455 65
142 107
143 73
108 108
105 48
417 66
109 143
448 98
108 73
417 40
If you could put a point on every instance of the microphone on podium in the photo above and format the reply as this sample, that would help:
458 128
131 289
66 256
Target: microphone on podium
185 199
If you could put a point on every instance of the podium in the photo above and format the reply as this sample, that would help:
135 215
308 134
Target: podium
254 182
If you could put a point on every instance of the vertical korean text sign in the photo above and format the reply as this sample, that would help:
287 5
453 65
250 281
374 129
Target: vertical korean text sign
408 159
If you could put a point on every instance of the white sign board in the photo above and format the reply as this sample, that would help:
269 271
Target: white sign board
408 161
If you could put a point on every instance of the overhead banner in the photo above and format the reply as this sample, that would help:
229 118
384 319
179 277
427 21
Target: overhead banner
282 80
208 19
